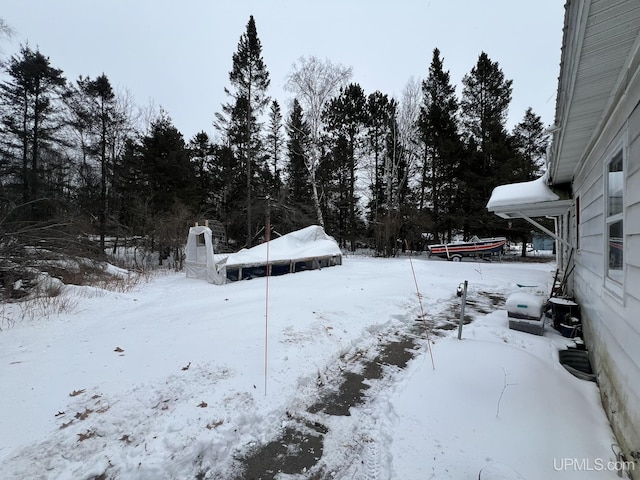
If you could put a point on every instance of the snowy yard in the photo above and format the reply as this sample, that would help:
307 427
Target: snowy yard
183 379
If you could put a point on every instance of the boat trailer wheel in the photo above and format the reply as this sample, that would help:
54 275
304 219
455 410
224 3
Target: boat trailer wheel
456 258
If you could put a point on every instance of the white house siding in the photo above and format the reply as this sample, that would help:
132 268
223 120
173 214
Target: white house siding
612 317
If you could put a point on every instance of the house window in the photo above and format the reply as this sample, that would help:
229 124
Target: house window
614 220
577 223
200 240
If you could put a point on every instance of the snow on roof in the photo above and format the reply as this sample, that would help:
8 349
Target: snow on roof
535 191
308 242
528 199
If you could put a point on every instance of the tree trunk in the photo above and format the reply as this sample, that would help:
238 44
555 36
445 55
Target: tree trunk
352 200
103 179
311 167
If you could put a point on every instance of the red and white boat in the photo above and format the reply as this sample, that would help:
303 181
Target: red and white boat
475 247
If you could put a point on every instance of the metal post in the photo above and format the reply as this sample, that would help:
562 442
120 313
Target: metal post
464 301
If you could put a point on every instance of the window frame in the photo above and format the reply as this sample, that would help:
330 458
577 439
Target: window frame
577 222
613 214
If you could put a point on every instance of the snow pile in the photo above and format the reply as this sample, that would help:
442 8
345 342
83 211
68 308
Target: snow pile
182 380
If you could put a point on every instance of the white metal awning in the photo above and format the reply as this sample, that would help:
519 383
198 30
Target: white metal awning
530 199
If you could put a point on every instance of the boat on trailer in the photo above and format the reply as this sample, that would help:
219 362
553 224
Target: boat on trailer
475 247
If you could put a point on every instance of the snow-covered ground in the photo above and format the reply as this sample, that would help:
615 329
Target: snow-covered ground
181 379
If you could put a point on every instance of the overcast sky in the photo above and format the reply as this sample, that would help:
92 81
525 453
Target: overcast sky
177 54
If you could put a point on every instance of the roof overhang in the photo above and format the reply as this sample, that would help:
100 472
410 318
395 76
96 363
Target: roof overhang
600 49
529 199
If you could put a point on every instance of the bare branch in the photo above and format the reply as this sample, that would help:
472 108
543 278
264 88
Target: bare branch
315 82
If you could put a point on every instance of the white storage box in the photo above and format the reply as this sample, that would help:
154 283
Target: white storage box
525 313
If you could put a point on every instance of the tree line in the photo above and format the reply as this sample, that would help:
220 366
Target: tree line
77 157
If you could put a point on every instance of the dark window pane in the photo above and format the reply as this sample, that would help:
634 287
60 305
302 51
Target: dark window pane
616 246
614 185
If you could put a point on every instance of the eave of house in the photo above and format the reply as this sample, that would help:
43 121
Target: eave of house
599 50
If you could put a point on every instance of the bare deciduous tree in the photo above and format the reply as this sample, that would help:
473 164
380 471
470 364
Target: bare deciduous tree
315 82
399 161
5 30
408 113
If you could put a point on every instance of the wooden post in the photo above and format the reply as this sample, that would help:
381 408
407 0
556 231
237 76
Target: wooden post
464 301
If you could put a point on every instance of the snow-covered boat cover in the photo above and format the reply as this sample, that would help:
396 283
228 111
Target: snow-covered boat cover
309 242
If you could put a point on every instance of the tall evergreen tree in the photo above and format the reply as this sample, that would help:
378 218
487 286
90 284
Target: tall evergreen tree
275 143
202 158
441 147
531 141
31 118
299 198
345 117
379 116
250 80
485 103
94 109
381 129
169 187
168 171
131 190
484 107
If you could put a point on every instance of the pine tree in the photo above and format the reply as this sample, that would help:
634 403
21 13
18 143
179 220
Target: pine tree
170 180
299 198
380 126
531 141
31 119
93 105
484 107
442 146
345 117
250 80
201 152
130 191
167 168
275 142
379 111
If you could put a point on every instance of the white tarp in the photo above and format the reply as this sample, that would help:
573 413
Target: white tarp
199 258
308 242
